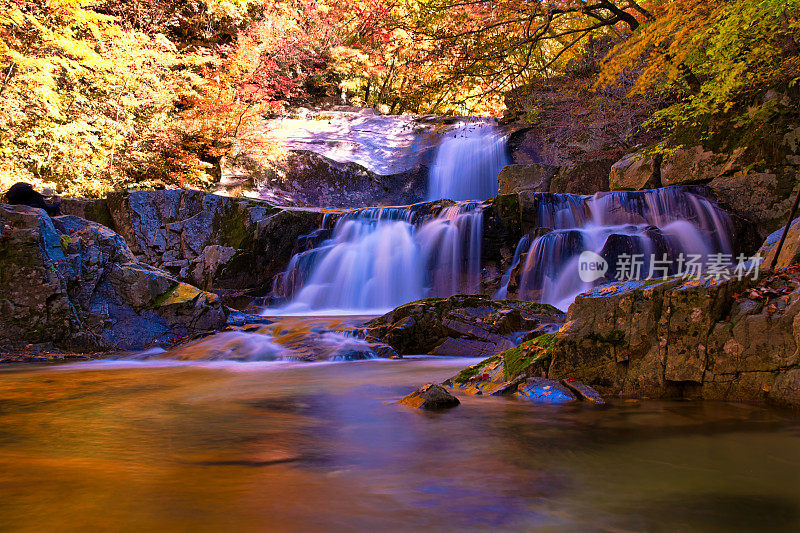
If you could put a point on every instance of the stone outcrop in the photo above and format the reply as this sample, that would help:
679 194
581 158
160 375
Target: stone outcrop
518 178
727 340
580 177
635 172
215 242
73 284
305 178
790 252
462 325
761 197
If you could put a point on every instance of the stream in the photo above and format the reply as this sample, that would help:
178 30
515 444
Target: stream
201 446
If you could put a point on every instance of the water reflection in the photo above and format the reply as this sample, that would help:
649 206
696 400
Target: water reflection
294 447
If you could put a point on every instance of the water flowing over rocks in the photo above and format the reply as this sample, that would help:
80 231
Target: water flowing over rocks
73 284
215 242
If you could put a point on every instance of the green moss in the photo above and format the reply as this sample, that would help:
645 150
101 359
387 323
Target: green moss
472 371
517 361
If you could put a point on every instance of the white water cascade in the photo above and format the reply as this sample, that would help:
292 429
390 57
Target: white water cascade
658 223
379 258
467 163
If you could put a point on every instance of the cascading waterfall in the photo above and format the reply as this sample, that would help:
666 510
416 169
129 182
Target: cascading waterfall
379 258
657 223
467 163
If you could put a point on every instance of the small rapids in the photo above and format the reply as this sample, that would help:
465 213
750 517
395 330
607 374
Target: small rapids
661 226
378 258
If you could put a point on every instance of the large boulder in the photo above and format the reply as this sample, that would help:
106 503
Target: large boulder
695 165
516 178
73 284
583 177
734 339
635 172
306 178
213 241
763 198
461 325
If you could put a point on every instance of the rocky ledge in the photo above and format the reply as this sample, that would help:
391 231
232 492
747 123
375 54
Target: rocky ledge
70 284
726 340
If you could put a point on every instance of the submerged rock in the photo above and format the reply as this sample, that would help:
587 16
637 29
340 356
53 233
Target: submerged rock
430 397
74 284
543 390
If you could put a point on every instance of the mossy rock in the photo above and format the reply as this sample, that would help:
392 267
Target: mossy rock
519 360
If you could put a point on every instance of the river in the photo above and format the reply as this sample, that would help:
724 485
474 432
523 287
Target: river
200 446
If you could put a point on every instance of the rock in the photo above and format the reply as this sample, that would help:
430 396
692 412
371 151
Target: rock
764 199
694 165
476 324
543 390
635 172
790 253
74 284
583 177
92 209
306 178
430 397
226 243
583 392
516 178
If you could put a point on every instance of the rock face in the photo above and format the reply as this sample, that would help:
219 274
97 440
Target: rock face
74 284
635 172
517 178
764 198
306 178
761 198
461 325
790 253
213 241
430 397
731 340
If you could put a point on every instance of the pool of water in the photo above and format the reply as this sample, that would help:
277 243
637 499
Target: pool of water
199 446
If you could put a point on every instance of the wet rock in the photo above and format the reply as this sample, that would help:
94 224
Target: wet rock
74 284
583 392
543 390
476 324
430 397
681 339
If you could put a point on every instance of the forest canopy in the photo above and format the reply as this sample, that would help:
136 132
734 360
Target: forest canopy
101 94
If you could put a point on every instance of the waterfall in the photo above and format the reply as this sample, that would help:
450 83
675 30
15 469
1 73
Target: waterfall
379 258
467 163
660 223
